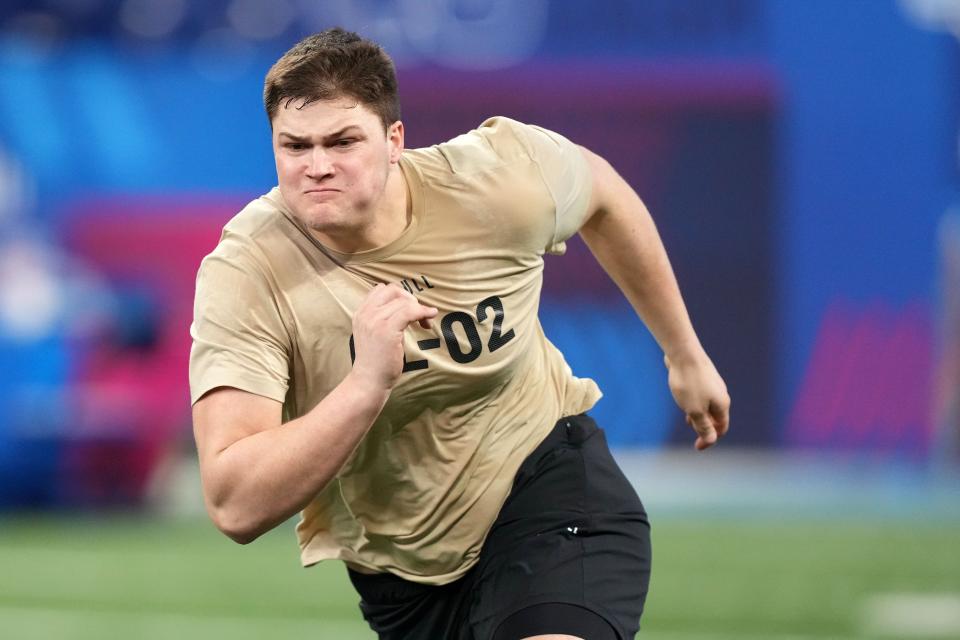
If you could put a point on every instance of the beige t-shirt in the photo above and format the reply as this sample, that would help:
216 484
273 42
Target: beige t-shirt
480 389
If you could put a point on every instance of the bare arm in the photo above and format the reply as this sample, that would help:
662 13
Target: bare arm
256 472
622 236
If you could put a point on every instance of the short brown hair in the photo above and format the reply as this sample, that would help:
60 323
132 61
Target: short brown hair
332 64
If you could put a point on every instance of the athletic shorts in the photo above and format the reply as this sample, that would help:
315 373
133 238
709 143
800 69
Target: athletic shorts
568 553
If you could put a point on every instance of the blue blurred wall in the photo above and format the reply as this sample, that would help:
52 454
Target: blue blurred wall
869 143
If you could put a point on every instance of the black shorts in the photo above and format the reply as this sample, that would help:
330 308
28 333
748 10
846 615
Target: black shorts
568 553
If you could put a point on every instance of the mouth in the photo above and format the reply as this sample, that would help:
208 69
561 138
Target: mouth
321 195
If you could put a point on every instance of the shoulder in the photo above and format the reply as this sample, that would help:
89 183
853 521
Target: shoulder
253 234
507 138
239 277
513 139
259 220
498 141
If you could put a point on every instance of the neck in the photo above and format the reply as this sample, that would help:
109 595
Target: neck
393 214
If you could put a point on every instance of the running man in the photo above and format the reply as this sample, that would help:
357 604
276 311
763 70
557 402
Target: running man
367 353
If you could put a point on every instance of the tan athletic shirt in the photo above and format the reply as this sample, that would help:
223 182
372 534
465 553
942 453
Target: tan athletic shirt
480 389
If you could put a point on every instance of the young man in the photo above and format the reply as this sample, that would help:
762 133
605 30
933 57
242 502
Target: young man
367 352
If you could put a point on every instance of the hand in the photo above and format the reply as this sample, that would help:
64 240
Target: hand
378 328
701 393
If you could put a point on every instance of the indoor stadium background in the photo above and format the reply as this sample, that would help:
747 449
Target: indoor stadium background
800 158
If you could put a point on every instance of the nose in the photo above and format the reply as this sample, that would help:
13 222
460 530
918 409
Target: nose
319 165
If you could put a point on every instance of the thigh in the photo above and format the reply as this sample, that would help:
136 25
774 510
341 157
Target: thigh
397 609
572 531
554 618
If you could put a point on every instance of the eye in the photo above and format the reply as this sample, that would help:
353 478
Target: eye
344 142
295 146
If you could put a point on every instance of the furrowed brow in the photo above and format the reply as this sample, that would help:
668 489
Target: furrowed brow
294 138
343 131
330 136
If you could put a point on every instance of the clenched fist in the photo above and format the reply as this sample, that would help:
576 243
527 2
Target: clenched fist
702 395
378 328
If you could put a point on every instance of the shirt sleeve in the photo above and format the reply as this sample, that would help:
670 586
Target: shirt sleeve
568 178
239 338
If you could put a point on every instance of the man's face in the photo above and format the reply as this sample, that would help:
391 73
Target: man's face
333 158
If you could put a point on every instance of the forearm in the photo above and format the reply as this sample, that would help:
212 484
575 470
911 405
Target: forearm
624 240
261 480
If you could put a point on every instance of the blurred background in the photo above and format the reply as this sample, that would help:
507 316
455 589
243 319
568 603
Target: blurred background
800 159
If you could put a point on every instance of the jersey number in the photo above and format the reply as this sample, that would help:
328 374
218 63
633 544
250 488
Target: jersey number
468 327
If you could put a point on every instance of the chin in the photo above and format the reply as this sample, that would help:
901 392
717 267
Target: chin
318 217
327 224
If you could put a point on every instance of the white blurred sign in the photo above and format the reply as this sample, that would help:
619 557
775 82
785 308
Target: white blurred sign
463 34
934 14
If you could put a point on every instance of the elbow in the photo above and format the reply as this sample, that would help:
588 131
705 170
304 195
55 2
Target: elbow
236 525
240 536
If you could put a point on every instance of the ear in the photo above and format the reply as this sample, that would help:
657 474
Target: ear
395 141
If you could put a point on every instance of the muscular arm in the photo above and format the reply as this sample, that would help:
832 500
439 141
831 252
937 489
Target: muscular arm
257 472
622 236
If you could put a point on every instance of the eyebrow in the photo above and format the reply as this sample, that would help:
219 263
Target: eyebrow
335 134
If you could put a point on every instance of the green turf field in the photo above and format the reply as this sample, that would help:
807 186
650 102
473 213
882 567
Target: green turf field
134 578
